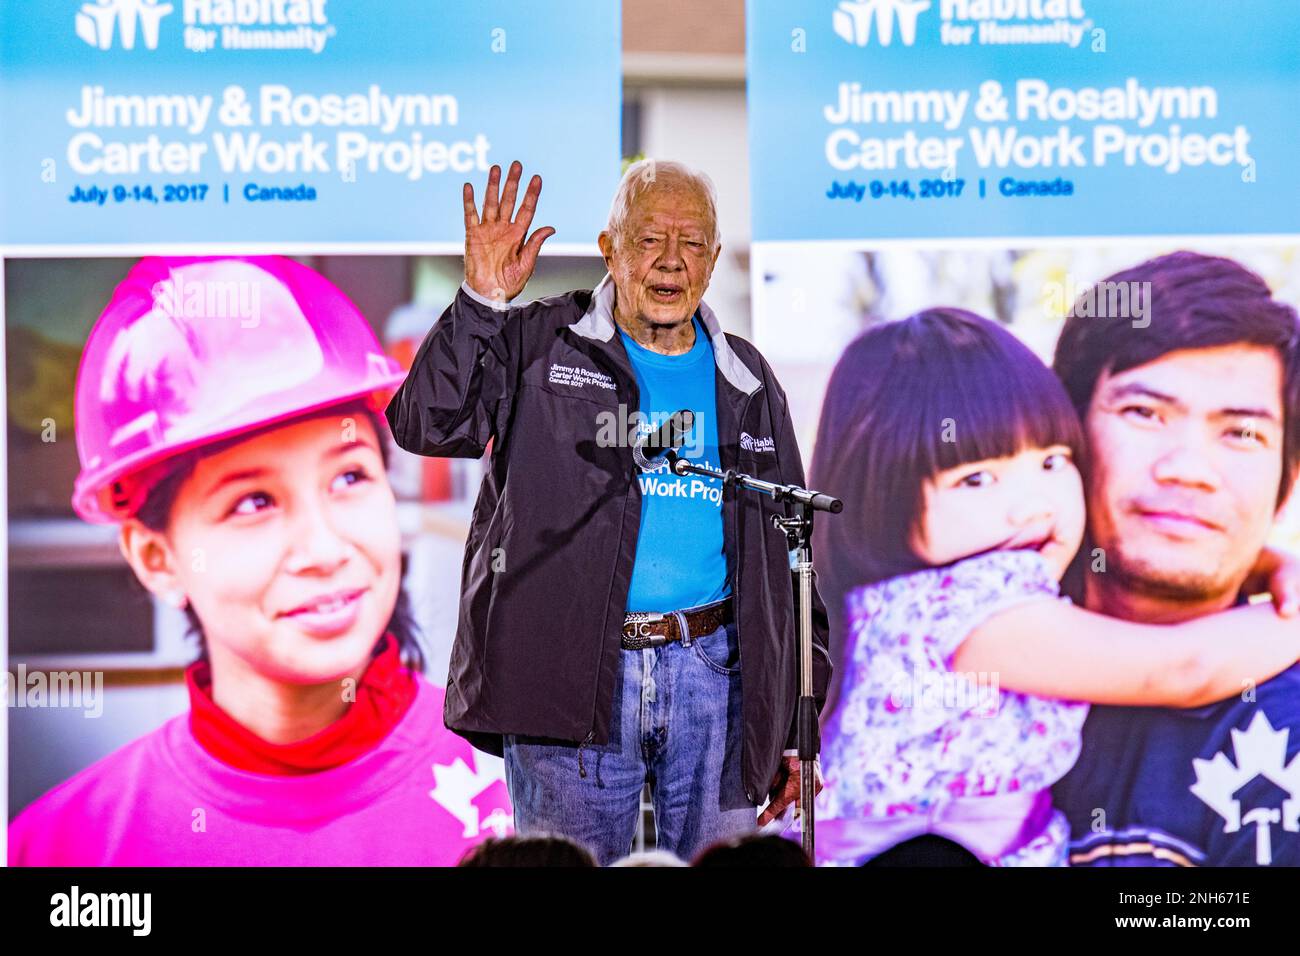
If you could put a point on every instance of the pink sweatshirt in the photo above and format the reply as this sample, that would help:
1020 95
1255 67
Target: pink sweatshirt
422 797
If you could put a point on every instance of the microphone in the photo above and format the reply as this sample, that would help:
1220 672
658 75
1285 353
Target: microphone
671 434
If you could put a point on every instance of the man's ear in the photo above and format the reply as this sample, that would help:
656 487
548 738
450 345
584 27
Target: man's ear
151 557
606 243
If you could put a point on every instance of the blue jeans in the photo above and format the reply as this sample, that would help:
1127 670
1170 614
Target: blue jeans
676 724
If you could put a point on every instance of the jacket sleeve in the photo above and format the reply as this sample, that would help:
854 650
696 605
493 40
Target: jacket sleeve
457 395
793 473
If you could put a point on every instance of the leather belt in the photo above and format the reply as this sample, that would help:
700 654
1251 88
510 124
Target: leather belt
642 629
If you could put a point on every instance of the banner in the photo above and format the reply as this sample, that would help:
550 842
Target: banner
1029 270
875 119
298 120
202 135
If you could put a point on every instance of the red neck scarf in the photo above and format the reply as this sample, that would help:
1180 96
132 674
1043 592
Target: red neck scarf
384 694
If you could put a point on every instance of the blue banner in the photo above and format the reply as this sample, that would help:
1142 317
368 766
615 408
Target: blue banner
880 119
146 121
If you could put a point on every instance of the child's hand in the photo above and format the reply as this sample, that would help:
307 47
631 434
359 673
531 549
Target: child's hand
1278 573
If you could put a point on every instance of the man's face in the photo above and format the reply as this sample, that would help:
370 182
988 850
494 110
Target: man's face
662 263
1186 463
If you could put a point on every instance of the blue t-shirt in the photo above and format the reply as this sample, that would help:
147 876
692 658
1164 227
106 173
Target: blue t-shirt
1206 786
680 562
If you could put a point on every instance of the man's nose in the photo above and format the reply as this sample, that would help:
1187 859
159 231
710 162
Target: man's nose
671 259
1187 463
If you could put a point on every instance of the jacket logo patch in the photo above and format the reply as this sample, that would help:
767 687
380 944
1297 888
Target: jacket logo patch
750 443
578 377
1260 751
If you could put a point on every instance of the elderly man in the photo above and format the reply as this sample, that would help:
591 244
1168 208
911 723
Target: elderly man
610 615
1191 401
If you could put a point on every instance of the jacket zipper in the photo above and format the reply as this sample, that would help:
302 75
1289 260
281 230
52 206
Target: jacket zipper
582 771
635 394
740 524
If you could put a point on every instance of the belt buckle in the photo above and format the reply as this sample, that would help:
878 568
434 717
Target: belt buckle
636 626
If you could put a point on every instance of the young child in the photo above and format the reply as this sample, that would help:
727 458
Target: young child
228 421
965 674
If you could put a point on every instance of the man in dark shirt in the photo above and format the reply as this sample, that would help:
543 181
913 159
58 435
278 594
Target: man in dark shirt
1186 374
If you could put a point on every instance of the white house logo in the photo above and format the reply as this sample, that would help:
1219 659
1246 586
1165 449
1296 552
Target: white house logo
98 22
963 22
854 18
1260 751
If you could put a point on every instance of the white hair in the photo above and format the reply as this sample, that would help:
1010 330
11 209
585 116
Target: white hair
647 174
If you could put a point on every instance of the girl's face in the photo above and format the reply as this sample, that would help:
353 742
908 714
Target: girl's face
288 548
1032 499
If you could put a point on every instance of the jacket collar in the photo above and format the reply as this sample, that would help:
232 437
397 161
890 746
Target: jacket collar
598 323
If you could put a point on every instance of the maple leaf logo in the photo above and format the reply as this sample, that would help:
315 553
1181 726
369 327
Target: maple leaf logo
456 786
1260 751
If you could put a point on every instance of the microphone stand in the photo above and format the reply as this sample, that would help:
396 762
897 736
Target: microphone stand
798 533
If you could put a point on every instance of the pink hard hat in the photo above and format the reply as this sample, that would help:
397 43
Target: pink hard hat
193 350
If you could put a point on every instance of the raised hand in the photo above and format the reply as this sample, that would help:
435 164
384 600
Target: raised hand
498 262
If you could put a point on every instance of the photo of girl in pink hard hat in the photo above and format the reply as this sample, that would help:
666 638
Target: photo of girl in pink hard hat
229 421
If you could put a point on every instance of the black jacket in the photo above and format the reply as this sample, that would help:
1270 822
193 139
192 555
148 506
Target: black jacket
553 537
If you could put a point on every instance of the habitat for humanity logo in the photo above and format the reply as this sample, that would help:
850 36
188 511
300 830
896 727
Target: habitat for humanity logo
237 24
964 22
97 22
